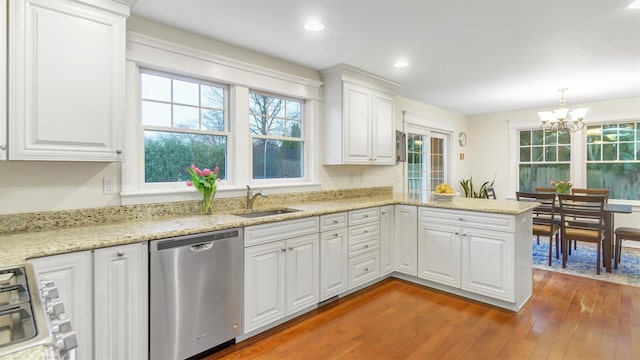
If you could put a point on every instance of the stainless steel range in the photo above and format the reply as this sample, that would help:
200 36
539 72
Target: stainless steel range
26 320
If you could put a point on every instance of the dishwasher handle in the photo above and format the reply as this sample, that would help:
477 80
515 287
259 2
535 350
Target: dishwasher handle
201 247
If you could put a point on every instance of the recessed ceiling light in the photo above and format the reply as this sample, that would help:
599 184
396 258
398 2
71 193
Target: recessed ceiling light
401 63
634 5
314 25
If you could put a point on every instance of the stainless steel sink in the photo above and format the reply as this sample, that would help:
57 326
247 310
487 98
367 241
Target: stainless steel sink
269 212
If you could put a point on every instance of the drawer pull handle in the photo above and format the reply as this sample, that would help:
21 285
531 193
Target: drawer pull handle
283 249
120 254
335 221
366 216
366 231
366 246
366 269
336 234
290 248
460 219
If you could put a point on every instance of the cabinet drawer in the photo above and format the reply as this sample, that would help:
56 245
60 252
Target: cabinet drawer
468 218
364 245
362 216
281 230
356 233
333 221
364 268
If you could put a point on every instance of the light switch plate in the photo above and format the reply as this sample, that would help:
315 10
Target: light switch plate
109 186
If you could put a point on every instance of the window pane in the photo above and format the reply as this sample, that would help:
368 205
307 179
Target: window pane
609 152
258 103
274 159
594 152
551 138
213 120
185 92
594 134
156 88
185 117
212 97
167 155
293 110
564 153
525 137
610 133
541 175
275 107
156 114
550 154
537 153
537 137
622 179
525 154
626 132
626 151
293 129
564 137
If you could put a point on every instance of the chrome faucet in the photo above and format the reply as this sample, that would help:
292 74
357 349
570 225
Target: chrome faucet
252 197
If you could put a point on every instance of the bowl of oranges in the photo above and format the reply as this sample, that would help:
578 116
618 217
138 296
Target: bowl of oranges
444 192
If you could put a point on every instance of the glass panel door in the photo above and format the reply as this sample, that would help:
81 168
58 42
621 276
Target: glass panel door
426 163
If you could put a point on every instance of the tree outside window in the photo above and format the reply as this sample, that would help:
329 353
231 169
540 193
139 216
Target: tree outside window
184 122
275 126
544 157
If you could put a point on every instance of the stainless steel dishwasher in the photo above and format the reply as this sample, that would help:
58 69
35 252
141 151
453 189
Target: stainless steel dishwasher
195 293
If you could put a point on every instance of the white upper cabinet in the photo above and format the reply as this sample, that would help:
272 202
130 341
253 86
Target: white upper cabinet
66 79
358 117
3 80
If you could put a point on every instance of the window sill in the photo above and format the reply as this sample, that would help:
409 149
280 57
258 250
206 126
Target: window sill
151 196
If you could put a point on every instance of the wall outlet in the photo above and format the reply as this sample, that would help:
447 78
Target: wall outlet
109 186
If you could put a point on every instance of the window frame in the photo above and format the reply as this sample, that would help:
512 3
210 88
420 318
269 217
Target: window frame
154 54
578 164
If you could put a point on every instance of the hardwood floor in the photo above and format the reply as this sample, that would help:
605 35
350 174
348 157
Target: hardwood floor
568 317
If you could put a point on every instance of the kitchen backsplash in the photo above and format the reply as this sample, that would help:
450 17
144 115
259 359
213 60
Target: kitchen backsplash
47 220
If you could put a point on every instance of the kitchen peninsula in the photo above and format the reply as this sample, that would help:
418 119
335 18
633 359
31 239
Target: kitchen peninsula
475 248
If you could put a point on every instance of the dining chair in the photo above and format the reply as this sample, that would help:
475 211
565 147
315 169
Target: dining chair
491 193
545 190
578 214
623 233
543 217
581 191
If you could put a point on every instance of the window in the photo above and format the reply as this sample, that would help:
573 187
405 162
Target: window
276 128
544 157
613 159
184 122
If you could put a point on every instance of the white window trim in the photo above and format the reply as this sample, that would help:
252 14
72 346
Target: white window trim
155 54
578 166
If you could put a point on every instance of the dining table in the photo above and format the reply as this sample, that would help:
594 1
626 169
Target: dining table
609 228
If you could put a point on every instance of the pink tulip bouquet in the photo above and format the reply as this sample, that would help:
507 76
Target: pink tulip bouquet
206 182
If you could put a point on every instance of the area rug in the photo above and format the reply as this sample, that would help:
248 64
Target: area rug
582 262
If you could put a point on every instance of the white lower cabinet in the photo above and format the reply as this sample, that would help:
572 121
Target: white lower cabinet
105 294
120 302
470 251
406 239
387 246
72 274
281 276
334 271
364 268
364 246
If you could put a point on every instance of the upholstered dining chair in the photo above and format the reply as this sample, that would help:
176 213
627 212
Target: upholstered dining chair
543 218
579 214
545 190
491 193
623 233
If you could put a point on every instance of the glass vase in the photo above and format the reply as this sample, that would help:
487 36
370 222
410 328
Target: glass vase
206 207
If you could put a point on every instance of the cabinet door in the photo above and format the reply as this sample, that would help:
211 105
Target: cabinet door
121 302
364 268
66 85
357 124
406 239
264 284
488 263
387 247
73 276
3 80
439 254
303 272
334 273
383 129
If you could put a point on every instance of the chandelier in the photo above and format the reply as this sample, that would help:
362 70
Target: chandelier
562 119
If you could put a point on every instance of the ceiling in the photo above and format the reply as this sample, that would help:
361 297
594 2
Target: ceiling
471 57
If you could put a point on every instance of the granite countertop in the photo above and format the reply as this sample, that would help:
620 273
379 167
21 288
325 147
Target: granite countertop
18 247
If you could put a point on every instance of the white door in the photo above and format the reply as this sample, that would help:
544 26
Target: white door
427 162
383 129
264 284
334 273
439 254
121 304
488 263
73 275
357 124
387 236
303 272
406 239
